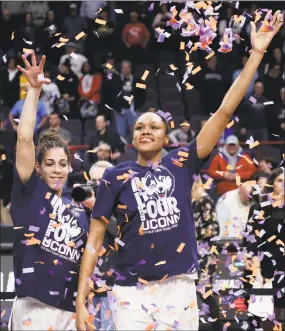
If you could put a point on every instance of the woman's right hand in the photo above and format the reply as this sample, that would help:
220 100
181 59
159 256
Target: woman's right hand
33 71
82 316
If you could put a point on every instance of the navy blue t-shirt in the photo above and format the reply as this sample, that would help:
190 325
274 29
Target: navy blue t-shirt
48 269
154 212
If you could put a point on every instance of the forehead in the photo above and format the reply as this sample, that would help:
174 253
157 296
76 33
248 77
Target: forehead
97 173
281 176
150 117
56 154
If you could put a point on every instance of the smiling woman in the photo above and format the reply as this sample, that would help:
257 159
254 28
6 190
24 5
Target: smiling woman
50 230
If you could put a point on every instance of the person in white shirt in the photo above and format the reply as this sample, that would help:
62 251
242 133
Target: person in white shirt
232 212
50 93
76 59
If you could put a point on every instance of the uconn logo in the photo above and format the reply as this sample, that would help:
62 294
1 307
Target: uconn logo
158 209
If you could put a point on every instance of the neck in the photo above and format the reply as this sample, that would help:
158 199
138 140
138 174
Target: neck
55 127
102 131
144 159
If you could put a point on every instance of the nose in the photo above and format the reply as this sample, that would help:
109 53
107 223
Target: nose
56 168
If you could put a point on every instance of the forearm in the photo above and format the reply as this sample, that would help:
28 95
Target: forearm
240 86
88 263
27 123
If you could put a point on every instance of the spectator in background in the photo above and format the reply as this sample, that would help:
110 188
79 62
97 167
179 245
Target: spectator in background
184 134
106 33
229 164
211 84
73 25
276 58
7 25
41 116
273 83
207 227
6 183
117 93
7 137
89 91
76 59
276 121
103 152
38 9
89 8
267 164
232 211
237 72
29 32
161 18
106 72
14 7
136 36
68 90
50 94
55 125
104 135
10 83
253 113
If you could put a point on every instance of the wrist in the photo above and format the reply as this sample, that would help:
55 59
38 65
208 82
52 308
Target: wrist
258 53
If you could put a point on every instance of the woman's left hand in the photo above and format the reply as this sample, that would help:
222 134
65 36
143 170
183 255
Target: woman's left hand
260 40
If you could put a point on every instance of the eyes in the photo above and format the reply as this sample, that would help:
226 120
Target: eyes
140 128
62 164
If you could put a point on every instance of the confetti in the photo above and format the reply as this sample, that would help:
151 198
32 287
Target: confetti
28 270
182 45
27 322
117 240
189 86
33 241
13 35
53 292
180 248
102 22
210 55
119 11
63 40
142 86
65 117
230 124
172 67
27 50
145 74
178 87
77 157
195 71
85 176
238 180
17 227
268 103
252 99
256 143
74 56
160 263
141 230
185 124
81 34
58 45
4 58
59 77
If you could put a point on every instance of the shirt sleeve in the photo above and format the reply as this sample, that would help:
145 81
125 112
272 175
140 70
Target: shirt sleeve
42 109
15 110
106 195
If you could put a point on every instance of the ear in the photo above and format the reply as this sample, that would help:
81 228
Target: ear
38 168
166 140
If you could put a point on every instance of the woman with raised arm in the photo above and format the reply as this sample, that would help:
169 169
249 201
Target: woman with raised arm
49 230
156 263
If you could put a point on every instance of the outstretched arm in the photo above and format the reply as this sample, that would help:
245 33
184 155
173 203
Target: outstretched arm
25 150
212 130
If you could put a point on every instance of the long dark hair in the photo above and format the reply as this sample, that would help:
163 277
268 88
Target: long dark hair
274 174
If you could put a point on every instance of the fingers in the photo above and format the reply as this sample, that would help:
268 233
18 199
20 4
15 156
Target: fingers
43 61
267 16
276 30
22 69
27 64
34 61
47 81
273 21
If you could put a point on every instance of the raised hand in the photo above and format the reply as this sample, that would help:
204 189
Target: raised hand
34 73
260 40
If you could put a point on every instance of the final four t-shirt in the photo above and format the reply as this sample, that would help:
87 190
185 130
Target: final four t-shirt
154 214
50 233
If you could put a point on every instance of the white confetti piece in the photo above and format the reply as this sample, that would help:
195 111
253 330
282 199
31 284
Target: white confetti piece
119 242
107 106
33 228
17 120
77 157
268 103
27 42
41 78
4 58
265 203
178 87
119 11
252 99
65 117
157 71
52 27
53 292
74 56
28 270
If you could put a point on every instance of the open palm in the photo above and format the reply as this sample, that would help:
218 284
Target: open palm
260 40
33 71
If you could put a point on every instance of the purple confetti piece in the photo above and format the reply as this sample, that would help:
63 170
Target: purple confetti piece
59 263
142 262
119 277
51 272
43 211
18 281
252 99
24 242
150 8
68 279
79 243
144 309
65 291
175 324
33 228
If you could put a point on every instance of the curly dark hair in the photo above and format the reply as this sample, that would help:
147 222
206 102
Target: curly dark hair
50 140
